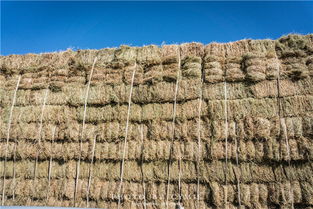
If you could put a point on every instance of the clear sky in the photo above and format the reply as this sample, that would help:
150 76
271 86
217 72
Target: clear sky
43 26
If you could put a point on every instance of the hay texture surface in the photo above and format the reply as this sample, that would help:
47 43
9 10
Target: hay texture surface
207 126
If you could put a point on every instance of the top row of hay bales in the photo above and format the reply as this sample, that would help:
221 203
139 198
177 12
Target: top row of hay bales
253 60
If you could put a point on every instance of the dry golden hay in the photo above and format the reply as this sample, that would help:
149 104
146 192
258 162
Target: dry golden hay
186 102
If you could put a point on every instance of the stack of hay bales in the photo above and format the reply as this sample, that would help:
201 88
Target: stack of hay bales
269 127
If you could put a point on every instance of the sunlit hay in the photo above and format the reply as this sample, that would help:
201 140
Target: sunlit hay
234 70
268 99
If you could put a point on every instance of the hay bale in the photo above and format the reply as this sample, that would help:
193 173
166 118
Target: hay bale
191 60
264 89
254 66
213 75
245 195
217 195
272 68
170 58
297 71
13 64
149 55
153 74
234 74
293 45
263 194
262 128
254 195
191 67
138 77
265 108
255 73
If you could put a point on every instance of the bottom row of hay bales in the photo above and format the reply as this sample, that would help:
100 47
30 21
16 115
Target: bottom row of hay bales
254 195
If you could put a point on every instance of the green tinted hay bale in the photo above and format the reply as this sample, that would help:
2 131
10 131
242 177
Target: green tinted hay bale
170 72
191 67
272 68
191 70
213 75
125 55
253 60
234 74
212 64
296 71
255 73
153 74
294 106
293 45
149 55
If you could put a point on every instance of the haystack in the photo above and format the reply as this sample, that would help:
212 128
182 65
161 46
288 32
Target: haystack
204 126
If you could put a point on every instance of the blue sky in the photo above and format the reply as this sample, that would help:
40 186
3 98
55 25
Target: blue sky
43 26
